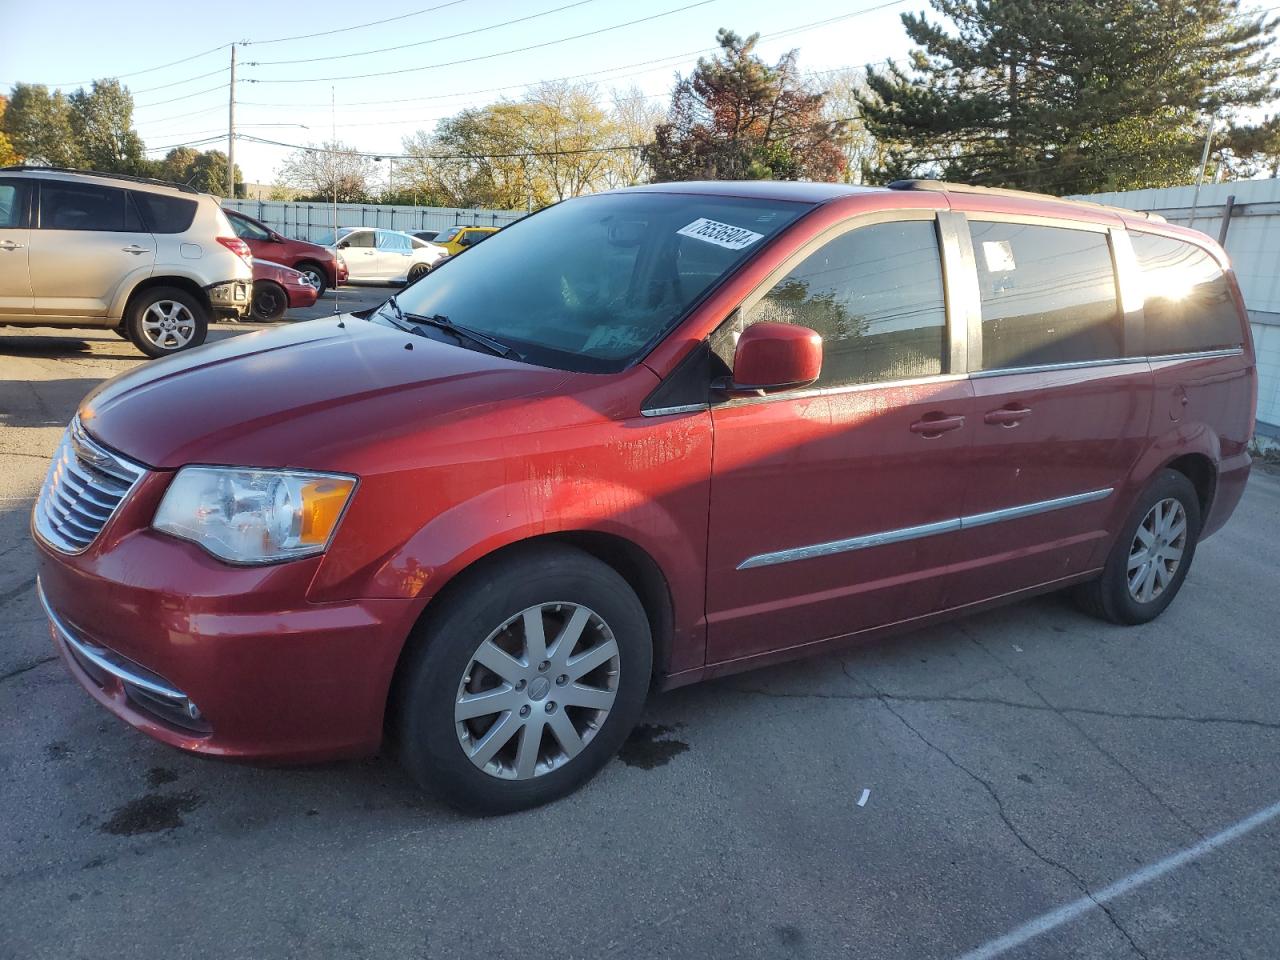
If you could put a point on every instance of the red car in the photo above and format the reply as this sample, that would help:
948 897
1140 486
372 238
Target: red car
643 438
320 265
276 288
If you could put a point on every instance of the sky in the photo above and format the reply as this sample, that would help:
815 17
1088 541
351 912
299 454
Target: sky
464 53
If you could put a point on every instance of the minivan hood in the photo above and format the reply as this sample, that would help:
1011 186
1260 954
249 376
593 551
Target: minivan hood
299 396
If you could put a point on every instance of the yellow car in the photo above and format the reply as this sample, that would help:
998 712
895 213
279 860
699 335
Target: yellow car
457 239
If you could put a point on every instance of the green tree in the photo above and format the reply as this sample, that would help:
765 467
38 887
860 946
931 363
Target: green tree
38 125
102 124
205 171
177 164
738 118
1066 96
1248 150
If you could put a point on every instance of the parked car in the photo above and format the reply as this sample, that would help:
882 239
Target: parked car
457 239
322 267
644 437
374 255
427 235
277 288
152 260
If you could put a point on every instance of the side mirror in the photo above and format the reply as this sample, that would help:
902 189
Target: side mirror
776 356
275 237
343 244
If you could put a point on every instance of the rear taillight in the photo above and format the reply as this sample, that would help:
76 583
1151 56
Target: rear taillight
238 247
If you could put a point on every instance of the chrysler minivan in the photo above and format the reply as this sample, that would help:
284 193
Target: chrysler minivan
636 440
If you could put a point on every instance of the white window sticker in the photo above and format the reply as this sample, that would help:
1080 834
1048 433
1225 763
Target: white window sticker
999 256
721 234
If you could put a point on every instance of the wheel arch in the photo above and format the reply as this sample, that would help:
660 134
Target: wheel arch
1203 474
625 557
185 284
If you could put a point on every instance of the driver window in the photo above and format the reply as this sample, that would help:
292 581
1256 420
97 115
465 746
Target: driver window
874 295
361 238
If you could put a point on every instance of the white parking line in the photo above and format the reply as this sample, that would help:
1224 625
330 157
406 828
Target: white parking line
1056 918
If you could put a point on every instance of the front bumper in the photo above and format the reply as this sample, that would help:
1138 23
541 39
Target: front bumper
301 294
231 298
218 660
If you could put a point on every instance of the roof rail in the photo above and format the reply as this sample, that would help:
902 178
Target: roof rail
942 186
152 181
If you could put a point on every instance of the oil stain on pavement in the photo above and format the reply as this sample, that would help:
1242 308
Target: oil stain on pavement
151 813
651 745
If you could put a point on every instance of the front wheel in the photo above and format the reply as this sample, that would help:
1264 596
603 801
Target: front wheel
166 320
315 276
1151 556
525 681
269 301
417 272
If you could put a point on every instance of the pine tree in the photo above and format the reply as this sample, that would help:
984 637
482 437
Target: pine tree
1067 96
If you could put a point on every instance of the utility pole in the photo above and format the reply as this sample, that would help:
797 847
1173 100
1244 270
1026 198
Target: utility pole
231 131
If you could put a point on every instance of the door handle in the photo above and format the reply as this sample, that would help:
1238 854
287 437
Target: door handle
135 249
10 245
937 426
1007 416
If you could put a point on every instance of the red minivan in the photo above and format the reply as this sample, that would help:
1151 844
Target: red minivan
636 440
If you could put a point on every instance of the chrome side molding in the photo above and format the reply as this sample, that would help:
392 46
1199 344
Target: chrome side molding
923 530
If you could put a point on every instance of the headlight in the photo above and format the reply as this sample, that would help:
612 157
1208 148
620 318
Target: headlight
254 516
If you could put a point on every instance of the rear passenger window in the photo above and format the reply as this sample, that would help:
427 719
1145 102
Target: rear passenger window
1187 304
1048 295
76 206
165 214
875 296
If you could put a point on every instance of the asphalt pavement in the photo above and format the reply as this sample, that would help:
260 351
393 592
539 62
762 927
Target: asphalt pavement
1026 783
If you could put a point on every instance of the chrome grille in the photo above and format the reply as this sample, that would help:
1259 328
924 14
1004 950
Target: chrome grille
85 485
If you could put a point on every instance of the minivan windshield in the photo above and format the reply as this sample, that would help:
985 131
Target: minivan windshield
592 283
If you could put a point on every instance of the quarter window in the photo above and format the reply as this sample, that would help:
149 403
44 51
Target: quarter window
166 214
1048 295
75 206
875 296
1188 306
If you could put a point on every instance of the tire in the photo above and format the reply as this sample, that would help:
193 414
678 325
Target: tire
121 332
1168 505
484 617
269 301
417 272
315 276
166 320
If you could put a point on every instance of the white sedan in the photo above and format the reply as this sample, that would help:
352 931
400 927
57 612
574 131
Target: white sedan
386 256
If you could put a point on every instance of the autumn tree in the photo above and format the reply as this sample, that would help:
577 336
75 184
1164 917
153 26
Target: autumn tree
324 170
1066 96
737 117
634 118
8 155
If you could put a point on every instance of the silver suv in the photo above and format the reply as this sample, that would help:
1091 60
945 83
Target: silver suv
152 260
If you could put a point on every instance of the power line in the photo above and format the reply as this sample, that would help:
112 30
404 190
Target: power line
358 26
492 56
138 73
178 83
188 96
423 43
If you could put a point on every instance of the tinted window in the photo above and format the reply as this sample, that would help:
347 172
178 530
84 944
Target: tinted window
592 283
13 201
875 296
1048 295
449 234
76 206
245 229
361 238
1188 305
164 214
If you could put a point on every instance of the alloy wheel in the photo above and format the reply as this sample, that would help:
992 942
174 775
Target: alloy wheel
1157 550
168 324
312 276
537 690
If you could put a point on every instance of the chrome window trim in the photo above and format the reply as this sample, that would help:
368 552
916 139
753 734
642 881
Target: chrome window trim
100 657
923 530
1048 367
846 388
1197 355
681 408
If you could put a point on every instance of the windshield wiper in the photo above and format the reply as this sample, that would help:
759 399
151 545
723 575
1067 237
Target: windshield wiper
442 322
398 317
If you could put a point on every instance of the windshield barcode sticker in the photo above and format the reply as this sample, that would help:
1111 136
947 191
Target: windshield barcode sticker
721 234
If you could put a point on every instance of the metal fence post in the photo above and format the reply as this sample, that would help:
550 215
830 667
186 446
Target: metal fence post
1227 211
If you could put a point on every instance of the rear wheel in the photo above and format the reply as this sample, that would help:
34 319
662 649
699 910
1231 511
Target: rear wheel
166 320
269 301
1151 556
314 275
525 682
